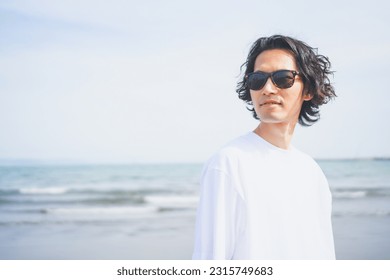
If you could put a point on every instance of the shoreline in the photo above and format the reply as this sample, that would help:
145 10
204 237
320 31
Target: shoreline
356 238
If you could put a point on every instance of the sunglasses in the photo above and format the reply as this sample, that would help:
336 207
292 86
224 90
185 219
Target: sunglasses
281 78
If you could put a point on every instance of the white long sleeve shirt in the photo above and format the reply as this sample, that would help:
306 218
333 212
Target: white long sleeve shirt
262 202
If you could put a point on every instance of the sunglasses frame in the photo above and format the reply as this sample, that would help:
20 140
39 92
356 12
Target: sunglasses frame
271 74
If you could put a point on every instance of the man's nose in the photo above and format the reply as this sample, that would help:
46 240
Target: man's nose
269 87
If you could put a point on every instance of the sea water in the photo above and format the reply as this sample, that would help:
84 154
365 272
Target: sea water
148 211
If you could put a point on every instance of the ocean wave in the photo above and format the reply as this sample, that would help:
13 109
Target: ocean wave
79 190
113 200
47 190
360 192
94 190
378 213
173 201
349 194
101 210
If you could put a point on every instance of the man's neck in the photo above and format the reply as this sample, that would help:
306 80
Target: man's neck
278 134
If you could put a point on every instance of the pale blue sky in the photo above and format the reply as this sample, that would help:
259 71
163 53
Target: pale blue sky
141 81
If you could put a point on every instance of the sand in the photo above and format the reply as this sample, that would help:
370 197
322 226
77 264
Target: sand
168 238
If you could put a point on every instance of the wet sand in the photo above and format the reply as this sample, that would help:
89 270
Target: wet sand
167 238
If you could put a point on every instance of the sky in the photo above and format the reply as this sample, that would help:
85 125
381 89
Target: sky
154 81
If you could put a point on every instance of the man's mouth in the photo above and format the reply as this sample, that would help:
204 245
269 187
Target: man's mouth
270 103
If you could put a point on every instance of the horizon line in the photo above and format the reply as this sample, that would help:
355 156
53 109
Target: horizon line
21 162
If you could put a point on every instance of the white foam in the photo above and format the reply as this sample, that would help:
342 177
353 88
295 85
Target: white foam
102 210
349 194
52 190
173 200
379 213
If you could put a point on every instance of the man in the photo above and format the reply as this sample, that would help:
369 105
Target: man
261 198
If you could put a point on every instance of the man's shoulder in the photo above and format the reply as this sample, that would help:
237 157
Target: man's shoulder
230 152
307 161
235 147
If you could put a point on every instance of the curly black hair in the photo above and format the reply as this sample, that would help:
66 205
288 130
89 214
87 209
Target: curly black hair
314 70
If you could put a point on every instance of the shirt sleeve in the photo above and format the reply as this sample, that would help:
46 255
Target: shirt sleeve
216 214
326 225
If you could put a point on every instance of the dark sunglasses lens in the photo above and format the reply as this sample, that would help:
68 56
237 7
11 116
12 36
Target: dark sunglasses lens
283 79
256 81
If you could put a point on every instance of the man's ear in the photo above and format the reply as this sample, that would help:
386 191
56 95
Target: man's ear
307 96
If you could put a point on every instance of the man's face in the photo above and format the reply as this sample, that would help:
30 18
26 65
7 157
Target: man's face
272 104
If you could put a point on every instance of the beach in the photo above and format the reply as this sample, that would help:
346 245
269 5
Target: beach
148 211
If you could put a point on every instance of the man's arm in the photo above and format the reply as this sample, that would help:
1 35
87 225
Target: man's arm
215 227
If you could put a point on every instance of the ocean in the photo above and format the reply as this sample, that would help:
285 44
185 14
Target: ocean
147 211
